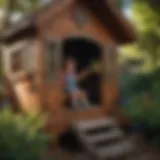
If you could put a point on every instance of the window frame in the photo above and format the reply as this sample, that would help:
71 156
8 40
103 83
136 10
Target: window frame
16 61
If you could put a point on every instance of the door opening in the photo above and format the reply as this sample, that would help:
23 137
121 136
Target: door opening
85 52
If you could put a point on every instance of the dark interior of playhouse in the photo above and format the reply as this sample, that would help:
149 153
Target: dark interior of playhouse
85 52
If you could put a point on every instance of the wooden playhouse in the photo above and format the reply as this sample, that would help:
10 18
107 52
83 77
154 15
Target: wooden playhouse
38 45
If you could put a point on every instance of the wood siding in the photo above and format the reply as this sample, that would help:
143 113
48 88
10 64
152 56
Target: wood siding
62 26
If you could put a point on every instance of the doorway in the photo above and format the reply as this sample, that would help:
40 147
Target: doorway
85 52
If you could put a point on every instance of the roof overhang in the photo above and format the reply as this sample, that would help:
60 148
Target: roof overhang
112 17
105 10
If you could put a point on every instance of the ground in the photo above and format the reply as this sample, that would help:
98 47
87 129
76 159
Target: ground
145 152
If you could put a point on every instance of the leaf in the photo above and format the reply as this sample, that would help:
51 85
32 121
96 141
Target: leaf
21 136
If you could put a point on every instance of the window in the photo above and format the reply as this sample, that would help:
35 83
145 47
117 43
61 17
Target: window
16 61
81 16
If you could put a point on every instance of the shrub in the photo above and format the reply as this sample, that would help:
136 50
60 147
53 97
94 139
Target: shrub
146 117
22 136
144 105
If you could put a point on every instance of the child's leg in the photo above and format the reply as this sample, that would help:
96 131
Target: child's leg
75 103
79 99
75 100
83 99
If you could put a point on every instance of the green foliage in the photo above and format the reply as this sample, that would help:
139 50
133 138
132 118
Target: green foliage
146 19
16 6
27 6
144 104
146 117
120 3
22 5
2 3
21 136
149 27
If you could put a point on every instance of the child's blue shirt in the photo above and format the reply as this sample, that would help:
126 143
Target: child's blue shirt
70 82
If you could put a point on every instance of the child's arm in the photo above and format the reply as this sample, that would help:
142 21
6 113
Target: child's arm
93 68
82 75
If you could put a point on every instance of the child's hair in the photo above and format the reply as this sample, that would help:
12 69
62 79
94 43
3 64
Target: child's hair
68 60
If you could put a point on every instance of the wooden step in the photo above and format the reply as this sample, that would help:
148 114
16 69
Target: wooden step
103 140
113 134
116 150
91 124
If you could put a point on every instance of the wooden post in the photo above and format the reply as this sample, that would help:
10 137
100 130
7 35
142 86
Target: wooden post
109 86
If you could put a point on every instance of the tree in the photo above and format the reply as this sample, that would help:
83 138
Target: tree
147 15
8 7
120 3
26 6
11 6
146 19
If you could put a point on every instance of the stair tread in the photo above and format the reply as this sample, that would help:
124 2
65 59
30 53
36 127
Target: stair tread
90 124
115 150
116 133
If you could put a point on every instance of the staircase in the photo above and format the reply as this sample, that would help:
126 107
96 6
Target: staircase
103 140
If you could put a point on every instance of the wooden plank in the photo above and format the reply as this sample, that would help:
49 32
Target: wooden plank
116 133
119 149
91 124
28 100
60 120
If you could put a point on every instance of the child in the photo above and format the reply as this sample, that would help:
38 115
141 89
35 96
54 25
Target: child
78 97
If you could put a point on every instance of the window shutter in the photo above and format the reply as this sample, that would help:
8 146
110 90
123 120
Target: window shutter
52 59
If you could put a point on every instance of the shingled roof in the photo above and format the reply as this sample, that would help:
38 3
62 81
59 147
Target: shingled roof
105 10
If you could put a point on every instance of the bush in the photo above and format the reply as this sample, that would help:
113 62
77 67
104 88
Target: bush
22 136
146 118
144 106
